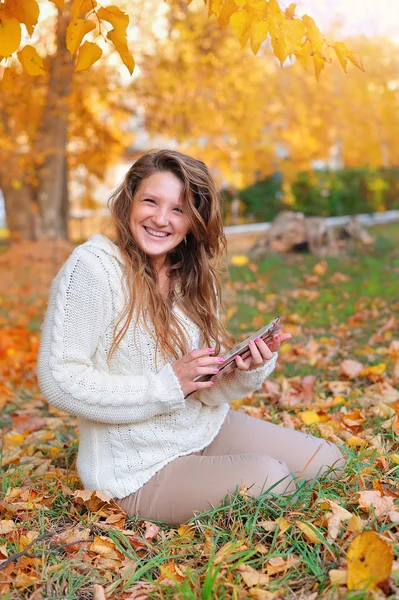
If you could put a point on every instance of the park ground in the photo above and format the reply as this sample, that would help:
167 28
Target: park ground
337 379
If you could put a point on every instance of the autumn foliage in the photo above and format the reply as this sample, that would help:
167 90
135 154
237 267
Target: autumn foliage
253 20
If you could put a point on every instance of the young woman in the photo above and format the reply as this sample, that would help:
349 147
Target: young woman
129 326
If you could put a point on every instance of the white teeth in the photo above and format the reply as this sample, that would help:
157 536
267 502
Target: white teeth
157 233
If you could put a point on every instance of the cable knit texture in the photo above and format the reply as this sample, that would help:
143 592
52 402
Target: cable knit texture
133 418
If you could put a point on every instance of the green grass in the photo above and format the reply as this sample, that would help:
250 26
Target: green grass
351 315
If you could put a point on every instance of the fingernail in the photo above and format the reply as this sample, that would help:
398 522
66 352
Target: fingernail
236 357
257 339
251 342
211 350
221 359
212 383
216 370
276 337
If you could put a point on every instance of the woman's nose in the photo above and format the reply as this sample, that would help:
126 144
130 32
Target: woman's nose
161 218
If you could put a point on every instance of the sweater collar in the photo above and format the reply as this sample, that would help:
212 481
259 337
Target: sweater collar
102 242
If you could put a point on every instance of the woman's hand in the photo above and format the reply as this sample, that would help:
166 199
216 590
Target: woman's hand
261 352
196 362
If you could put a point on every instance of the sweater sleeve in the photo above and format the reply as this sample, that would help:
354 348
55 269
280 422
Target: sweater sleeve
76 319
236 384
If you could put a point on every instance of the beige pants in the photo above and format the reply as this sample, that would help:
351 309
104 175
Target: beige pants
246 451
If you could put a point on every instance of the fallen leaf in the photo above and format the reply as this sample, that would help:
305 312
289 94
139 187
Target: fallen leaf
252 577
355 524
338 576
308 417
351 368
370 559
151 530
372 499
277 564
309 531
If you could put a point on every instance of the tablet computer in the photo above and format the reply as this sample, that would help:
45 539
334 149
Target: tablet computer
266 333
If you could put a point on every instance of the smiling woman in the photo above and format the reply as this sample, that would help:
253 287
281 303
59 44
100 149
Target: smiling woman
157 219
130 326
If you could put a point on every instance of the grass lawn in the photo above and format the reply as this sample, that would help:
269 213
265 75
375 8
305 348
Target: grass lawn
338 309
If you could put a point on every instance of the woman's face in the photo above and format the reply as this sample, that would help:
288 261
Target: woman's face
157 221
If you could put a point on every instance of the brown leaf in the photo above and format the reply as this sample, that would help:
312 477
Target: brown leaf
105 547
278 564
351 368
151 530
26 421
252 577
338 576
372 499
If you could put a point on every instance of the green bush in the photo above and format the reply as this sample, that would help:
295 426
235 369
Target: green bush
326 193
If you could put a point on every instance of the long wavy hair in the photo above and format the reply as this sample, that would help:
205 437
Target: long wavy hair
194 265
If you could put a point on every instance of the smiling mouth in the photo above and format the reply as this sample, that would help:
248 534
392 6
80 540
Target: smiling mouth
156 234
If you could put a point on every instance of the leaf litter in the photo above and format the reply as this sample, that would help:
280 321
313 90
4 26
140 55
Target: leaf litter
337 379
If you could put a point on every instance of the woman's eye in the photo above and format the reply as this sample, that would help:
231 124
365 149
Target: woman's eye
179 210
148 200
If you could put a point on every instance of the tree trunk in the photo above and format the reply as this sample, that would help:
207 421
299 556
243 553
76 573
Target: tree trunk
50 147
22 217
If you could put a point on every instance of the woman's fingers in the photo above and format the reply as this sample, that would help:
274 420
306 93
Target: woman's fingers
278 339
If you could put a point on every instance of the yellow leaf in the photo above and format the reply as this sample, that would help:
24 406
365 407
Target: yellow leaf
304 56
118 19
355 440
25 11
375 370
59 3
89 53
9 78
355 524
186 531
355 59
280 48
81 7
290 11
395 458
240 23
31 61
341 52
239 260
122 50
228 9
309 531
227 550
214 7
10 35
370 560
76 31
313 33
318 63
308 417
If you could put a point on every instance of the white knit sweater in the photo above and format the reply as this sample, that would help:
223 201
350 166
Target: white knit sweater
133 419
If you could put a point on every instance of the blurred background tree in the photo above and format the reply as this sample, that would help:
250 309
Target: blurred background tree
262 122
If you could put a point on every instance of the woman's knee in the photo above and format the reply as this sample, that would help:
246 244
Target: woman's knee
270 476
327 459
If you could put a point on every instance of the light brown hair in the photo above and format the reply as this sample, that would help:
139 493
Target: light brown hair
194 270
